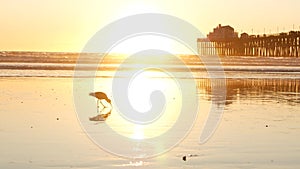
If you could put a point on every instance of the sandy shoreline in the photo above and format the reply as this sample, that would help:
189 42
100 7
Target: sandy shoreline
39 129
39 126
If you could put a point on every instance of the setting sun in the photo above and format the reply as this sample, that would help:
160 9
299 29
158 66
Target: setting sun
148 41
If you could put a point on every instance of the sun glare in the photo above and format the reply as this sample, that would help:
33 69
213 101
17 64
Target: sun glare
140 89
138 8
148 41
147 81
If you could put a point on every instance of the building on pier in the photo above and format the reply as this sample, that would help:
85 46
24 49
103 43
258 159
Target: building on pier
222 33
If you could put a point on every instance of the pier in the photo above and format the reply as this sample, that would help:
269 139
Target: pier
223 41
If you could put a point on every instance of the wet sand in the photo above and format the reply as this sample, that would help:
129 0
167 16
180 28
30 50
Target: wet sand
39 129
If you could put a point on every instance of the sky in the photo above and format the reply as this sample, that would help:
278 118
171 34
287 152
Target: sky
67 25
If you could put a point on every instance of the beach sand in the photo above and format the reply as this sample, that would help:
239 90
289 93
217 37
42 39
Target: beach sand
39 126
39 129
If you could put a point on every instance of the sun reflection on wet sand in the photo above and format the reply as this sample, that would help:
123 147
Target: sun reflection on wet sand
140 89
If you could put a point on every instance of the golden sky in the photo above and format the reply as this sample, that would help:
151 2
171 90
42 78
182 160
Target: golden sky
66 25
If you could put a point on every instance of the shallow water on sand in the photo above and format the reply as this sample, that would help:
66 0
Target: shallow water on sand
259 128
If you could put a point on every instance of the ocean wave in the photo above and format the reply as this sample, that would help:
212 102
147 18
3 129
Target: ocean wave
48 64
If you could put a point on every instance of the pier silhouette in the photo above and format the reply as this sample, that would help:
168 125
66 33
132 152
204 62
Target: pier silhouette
223 41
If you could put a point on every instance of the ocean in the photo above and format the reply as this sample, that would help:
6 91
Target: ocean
43 64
